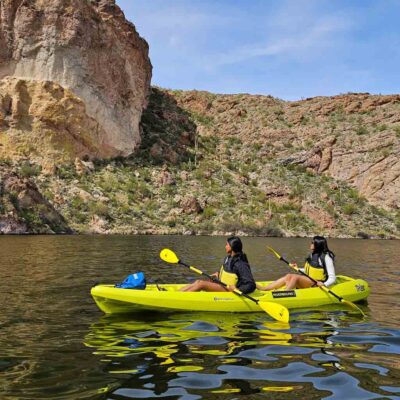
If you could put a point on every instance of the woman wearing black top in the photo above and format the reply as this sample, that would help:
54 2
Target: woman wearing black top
235 272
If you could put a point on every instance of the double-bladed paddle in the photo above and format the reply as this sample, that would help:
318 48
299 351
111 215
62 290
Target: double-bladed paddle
275 310
341 299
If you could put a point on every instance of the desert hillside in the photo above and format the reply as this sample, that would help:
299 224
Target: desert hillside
254 165
87 146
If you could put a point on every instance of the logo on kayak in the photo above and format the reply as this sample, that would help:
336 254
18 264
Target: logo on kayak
223 299
360 288
283 293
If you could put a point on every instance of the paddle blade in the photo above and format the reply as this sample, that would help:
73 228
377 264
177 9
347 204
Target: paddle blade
276 254
276 311
353 306
169 256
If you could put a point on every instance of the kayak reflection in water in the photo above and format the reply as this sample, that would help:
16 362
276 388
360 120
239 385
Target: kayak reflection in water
319 266
235 272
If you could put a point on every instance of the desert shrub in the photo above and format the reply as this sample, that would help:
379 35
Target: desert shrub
81 217
285 207
361 130
143 190
227 178
171 223
5 161
297 191
205 120
13 196
230 200
387 151
109 182
349 209
78 203
198 173
257 146
231 226
130 185
209 212
397 220
254 228
66 171
32 218
167 190
27 170
234 142
353 194
382 127
232 165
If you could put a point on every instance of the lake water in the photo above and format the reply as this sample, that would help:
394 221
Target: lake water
56 344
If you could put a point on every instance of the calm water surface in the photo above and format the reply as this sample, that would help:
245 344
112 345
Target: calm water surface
56 344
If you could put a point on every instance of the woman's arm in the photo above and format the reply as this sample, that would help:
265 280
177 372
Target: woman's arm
330 270
246 283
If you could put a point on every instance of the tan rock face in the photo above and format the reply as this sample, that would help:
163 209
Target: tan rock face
42 120
89 48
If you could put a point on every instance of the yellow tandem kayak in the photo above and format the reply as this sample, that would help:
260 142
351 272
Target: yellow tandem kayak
112 300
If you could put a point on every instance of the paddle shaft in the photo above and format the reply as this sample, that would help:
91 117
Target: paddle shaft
214 279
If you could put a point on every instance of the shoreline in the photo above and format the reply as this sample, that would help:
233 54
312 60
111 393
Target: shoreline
200 234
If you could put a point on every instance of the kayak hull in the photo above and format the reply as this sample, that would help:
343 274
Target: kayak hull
113 300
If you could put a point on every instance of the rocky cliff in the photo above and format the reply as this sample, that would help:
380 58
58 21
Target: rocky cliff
216 164
75 77
353 138
77 154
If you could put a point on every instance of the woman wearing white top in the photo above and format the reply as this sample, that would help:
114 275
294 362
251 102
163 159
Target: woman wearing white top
319 266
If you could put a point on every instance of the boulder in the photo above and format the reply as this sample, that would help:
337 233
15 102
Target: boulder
190 205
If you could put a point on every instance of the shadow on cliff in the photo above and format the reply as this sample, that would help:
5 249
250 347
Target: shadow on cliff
168 132
24 210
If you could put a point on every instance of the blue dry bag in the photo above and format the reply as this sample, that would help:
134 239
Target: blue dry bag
133 281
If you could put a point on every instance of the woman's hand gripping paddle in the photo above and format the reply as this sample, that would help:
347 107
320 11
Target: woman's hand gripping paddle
276 311
341 299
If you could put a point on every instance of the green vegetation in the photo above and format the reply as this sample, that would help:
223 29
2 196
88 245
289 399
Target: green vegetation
362 130
254 197
28 170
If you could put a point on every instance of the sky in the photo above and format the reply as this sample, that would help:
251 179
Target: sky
290 49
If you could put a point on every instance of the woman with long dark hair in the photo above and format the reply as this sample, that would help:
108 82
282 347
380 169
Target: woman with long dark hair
319 266
235 272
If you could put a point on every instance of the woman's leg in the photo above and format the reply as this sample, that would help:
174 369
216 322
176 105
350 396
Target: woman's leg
298 282
187 287
279 282
207 286
291 281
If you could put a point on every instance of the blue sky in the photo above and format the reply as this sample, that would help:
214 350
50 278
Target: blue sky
290 49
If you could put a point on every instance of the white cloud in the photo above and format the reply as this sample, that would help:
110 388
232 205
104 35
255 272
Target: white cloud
298 36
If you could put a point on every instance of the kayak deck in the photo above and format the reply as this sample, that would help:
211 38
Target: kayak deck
113 300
